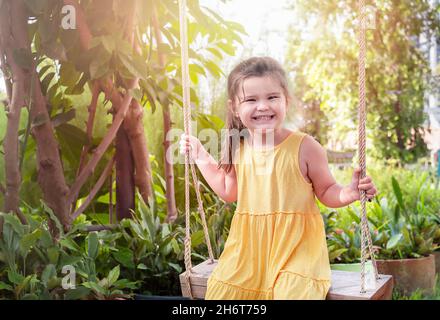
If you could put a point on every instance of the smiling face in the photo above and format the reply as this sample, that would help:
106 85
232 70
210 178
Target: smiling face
261 105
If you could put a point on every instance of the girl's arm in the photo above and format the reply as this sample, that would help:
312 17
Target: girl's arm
222 183
327 190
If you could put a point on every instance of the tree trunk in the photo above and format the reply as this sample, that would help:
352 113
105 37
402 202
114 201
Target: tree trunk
169 168
50 170
134 128
16 102
124 176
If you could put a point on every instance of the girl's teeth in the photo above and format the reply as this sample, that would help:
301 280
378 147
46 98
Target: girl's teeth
264 118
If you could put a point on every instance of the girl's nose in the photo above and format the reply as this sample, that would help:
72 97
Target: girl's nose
262 105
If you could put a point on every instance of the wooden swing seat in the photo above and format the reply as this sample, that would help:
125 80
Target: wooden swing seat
345 284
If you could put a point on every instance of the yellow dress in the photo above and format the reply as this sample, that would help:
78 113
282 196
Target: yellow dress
276 247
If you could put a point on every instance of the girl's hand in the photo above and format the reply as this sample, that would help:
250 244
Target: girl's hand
362 184
189 142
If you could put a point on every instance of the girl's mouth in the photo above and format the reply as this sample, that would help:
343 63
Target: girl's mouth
263 117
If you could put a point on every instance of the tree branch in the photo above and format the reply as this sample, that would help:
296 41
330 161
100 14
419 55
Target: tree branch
109 137
105 173
90 121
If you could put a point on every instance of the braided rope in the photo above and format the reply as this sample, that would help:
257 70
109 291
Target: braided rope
187 127
202 212
366 242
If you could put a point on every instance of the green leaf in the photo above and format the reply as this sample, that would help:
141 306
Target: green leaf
63 117
353 215
70 244
53 217
5 286
15 277
13 221
72 139
397 192
78 88
53 255
196 68
68 74
46 239
336 253
142 266
126 284
92 245
94 286
137 94
228 49
113 275
48 273
108 42
44 69
28 241
175 267
237 26
213 68
394 240
197 238
131 68
215 52
125 257
98 68
78 293
175 246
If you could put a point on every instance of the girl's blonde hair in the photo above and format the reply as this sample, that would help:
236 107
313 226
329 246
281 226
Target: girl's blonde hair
252 67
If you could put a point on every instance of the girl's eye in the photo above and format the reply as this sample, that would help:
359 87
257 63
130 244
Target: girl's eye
273 97
249 100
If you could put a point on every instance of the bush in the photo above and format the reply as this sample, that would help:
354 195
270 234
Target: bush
404 222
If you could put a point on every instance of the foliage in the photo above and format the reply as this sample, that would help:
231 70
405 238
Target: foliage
403 222
32 261
323 53
141 255
419 295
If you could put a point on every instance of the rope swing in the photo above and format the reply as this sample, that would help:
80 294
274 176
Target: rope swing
188 161
365 230
343 286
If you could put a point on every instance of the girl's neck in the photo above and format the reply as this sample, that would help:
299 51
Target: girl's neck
267 138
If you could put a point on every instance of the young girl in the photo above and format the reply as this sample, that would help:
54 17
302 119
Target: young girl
276 247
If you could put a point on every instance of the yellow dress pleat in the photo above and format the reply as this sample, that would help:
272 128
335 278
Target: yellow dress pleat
276 247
